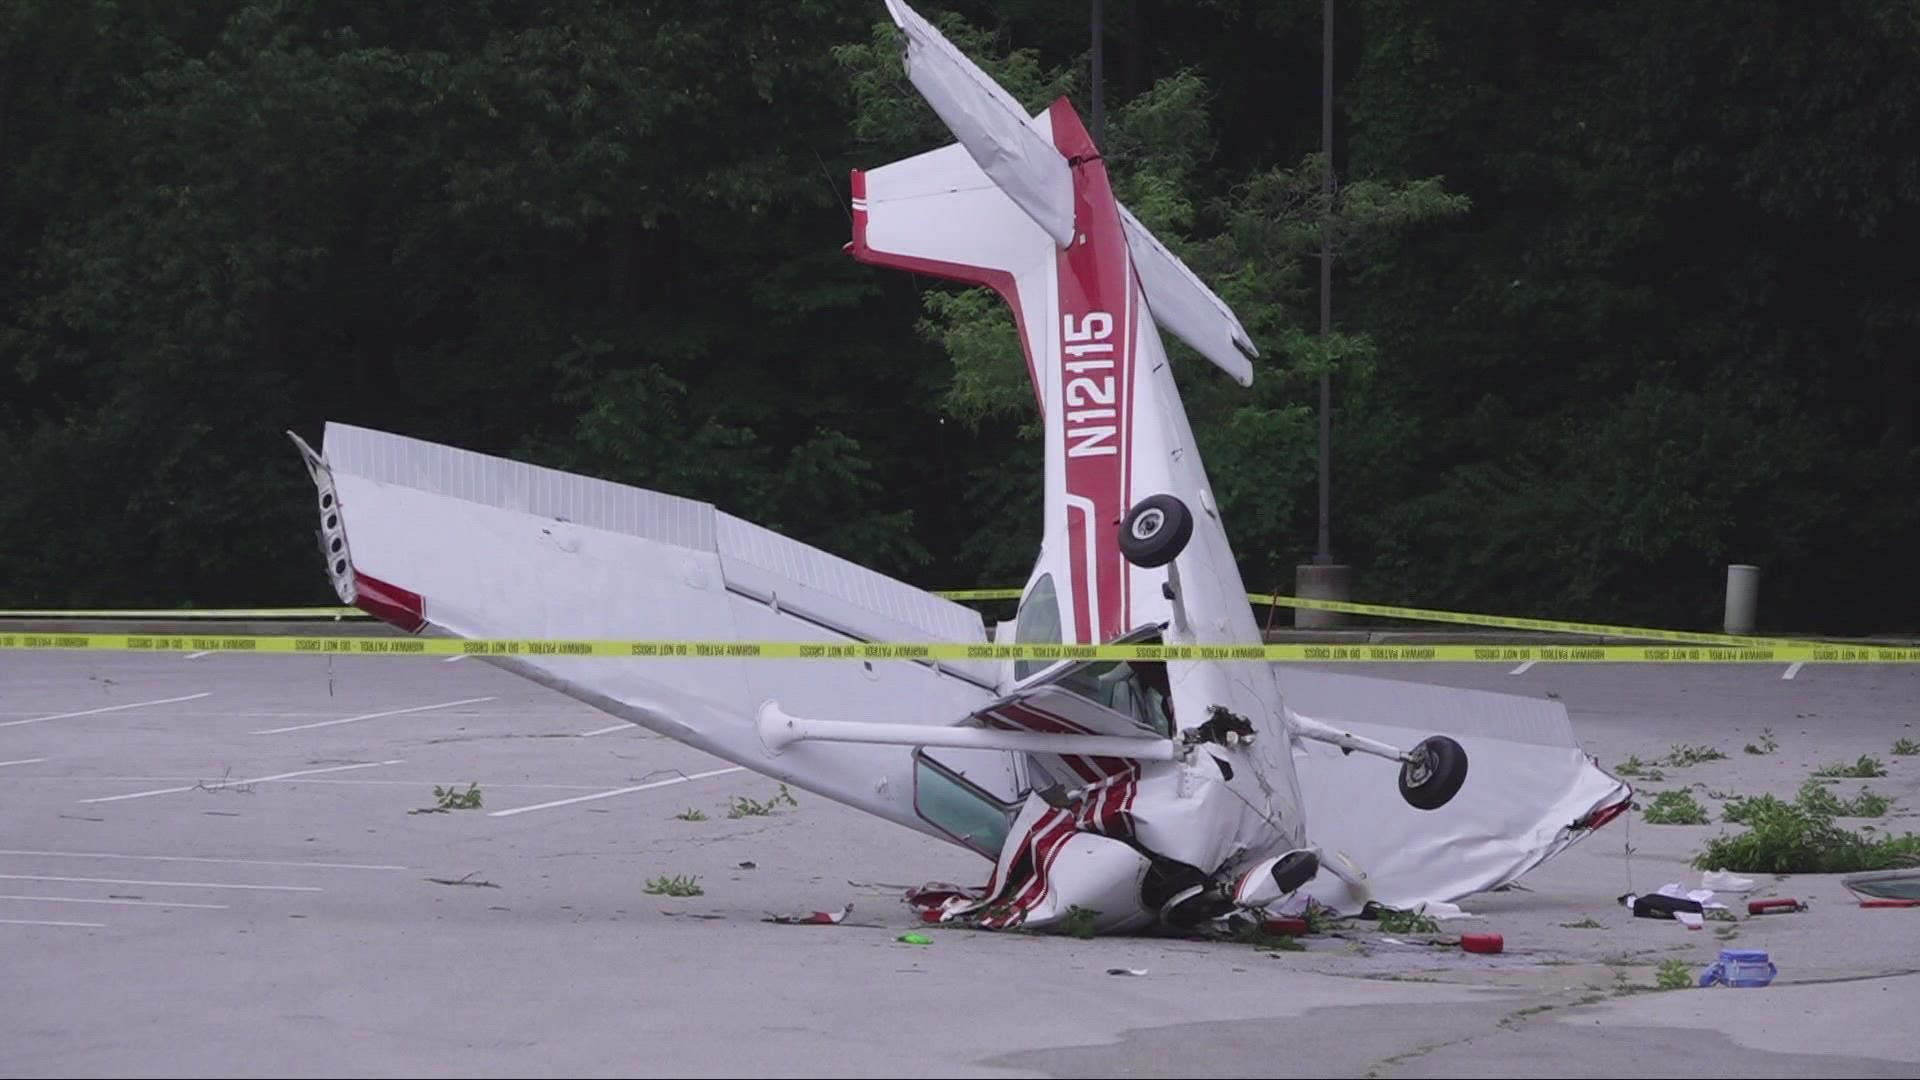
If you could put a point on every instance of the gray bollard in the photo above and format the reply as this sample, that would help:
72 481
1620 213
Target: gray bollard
1321 581
1743 597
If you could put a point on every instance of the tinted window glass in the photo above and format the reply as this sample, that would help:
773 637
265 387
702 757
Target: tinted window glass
1037 624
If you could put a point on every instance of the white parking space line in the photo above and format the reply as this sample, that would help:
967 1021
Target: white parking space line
1522 669
46 922
115 900
611 794
22 761
451 659
200 858
164 884
105 709
1793 669
196 655
239 783
373 716
604 730
485 784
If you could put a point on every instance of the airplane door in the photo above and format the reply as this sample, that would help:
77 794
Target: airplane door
971 795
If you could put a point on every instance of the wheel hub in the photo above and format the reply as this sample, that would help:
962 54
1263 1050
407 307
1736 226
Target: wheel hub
1148 523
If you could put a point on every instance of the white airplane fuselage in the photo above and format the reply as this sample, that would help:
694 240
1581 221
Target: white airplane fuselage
1116 432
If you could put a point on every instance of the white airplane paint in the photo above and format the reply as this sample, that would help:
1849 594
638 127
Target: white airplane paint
1154 793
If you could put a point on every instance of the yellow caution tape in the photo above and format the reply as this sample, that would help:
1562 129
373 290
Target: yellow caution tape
1507 622
1514 622
979 594
806 650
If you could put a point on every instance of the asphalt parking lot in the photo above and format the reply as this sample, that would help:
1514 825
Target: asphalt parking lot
230 864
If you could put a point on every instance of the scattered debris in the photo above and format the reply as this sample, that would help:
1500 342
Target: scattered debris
1674 808
1815 797
814 918
1671 902
1724 881
677 885
1776 904
1588 923
1633 766
1482 943
1135 972
1674 975
1402 922
1683 756
745 807
692 814
1444 911
1767 743
1800 838
1866 766
1890 902
690 914
452 798
749 864
223 784
1885 884
912 937
1737 967
468 880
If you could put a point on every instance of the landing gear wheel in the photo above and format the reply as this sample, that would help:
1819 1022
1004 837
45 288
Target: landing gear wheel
1155 530
1434 776
1294 870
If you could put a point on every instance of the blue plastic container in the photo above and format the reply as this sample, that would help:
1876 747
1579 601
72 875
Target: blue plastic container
1740 968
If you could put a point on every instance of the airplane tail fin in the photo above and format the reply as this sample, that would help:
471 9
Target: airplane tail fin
1001 200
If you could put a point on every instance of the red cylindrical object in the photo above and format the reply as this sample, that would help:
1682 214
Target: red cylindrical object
1761 907
1482 943
1890 902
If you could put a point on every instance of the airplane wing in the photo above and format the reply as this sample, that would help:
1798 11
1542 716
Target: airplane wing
996 131
440 540
1530 794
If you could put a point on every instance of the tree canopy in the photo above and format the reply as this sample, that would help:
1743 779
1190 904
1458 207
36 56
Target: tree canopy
1623 292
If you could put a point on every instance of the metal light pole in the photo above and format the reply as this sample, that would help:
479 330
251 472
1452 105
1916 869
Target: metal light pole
1099 87
1325 554
1323 579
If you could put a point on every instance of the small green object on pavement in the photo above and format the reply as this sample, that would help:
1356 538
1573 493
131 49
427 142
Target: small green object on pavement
912 938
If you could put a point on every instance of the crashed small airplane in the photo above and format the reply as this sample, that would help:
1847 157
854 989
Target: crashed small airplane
1159 795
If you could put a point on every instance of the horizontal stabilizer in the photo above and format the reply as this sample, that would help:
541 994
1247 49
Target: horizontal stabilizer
1186 308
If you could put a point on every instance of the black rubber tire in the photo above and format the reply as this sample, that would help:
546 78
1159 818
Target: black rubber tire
1294 870
1155 531
1434 785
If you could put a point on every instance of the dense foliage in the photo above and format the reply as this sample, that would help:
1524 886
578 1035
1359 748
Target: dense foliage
1623 292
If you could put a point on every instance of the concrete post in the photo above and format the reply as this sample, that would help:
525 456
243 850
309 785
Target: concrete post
1321 581
1743 597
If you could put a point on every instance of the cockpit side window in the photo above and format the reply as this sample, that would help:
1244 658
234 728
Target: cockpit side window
1037 624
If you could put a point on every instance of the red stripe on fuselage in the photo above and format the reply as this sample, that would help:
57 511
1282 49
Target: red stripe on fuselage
1096 361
